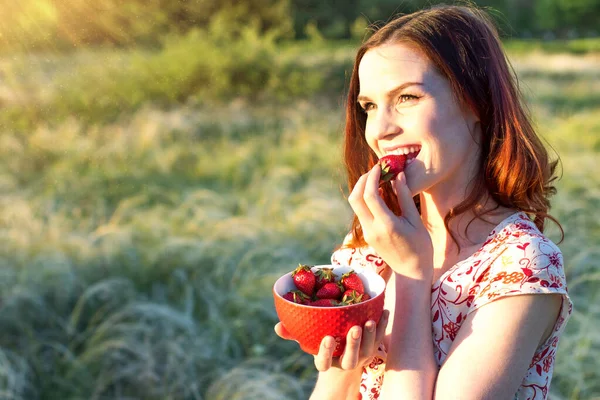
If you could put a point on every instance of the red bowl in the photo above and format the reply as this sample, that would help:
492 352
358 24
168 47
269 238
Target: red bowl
309 325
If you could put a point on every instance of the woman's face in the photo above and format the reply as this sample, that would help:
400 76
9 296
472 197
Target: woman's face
412 110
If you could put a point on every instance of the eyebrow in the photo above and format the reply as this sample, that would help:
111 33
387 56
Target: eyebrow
392 92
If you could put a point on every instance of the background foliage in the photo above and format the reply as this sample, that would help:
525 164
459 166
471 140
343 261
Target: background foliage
40 24
181 150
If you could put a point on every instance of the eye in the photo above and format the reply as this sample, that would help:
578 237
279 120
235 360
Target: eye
366 107
406 98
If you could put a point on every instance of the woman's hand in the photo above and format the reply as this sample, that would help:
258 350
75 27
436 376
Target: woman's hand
403 242
361 345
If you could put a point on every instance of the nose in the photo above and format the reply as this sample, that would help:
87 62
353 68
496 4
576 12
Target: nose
383 125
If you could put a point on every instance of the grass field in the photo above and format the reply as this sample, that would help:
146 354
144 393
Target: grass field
130 240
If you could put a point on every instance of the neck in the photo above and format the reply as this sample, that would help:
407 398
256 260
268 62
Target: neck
438 200
468 230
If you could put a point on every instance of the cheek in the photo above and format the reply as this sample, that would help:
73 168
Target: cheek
446 138
450 128
370 137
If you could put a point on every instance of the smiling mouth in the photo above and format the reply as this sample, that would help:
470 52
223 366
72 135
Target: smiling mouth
410 152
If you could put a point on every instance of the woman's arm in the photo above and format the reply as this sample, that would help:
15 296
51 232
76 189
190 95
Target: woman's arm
404 243
337 384
340 378
488 359
495 345
410 367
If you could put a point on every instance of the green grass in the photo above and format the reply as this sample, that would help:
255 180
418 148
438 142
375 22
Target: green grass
200 68
129 241
573 46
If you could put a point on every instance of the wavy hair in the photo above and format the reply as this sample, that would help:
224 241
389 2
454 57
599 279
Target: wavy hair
463 44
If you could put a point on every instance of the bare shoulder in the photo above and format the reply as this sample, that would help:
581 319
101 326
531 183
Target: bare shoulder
495 345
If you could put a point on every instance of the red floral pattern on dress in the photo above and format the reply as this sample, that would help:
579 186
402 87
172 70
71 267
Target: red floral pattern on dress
515 259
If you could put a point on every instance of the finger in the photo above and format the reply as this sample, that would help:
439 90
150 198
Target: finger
405 200
367 347
349 359
356 200
324 358
282 332
372 196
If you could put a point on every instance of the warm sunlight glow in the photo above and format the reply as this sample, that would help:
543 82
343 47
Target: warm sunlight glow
26 24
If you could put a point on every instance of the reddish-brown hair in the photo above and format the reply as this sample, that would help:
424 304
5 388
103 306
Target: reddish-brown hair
463 44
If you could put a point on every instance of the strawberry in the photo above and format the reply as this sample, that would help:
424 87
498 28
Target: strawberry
304 279
365 297
331 290
324 275
352 297
296 296
351 281
324 303
391 166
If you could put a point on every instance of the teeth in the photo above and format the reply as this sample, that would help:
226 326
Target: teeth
404 150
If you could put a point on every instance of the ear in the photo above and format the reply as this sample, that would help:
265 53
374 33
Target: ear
473 123
476 132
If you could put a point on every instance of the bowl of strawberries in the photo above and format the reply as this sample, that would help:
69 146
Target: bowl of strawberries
327 300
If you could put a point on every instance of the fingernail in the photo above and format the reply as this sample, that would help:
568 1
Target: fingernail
356 334
328 343
370 326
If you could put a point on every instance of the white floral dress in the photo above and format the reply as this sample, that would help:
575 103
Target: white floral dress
515 259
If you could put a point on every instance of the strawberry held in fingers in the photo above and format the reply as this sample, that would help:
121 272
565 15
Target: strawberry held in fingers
391 166
304 279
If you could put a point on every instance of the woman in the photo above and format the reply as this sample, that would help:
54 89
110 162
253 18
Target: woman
457 235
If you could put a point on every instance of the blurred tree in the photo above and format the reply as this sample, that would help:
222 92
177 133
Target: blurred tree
107 21
513 17
134 21
270 14
333 18
520 15
52 23
562 16
383 10
516 18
